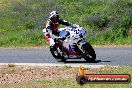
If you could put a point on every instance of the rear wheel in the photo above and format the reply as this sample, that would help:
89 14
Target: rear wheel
89 53
55 53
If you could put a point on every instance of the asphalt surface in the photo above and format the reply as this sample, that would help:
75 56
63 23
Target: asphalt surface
105 56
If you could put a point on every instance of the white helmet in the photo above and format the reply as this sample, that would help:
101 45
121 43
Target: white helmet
53 14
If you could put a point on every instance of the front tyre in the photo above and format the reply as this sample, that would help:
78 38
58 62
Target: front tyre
88 52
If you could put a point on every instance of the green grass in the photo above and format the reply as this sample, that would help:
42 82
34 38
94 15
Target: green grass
107 21
71 82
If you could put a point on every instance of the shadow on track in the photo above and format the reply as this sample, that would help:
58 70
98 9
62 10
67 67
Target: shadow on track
96 61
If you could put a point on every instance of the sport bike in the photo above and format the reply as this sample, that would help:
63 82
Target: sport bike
72 44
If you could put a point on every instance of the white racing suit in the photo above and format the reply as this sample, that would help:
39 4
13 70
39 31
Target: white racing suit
52 30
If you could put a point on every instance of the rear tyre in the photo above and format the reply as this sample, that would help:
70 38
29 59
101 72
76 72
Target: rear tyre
55 53
89 53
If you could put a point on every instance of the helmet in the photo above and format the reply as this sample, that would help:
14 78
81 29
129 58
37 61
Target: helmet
53 14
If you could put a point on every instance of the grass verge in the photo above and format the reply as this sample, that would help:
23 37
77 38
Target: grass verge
57 77
107 21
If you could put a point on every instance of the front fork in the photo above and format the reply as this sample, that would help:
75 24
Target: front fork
78 47
80 44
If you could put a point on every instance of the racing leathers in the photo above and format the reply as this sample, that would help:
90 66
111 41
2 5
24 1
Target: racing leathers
52 30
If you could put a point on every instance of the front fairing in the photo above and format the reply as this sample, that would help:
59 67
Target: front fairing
63 34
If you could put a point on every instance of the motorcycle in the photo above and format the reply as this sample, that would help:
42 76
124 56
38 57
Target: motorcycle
71 44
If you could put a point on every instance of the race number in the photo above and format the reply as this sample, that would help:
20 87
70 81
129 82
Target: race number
76 31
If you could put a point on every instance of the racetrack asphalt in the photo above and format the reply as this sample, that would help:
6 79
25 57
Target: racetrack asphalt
105 56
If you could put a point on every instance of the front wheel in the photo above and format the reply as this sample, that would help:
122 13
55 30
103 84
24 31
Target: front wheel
55 53
88 52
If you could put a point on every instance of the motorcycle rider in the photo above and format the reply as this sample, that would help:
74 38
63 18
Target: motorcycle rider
52 26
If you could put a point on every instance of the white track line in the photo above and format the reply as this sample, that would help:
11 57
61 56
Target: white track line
53 64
